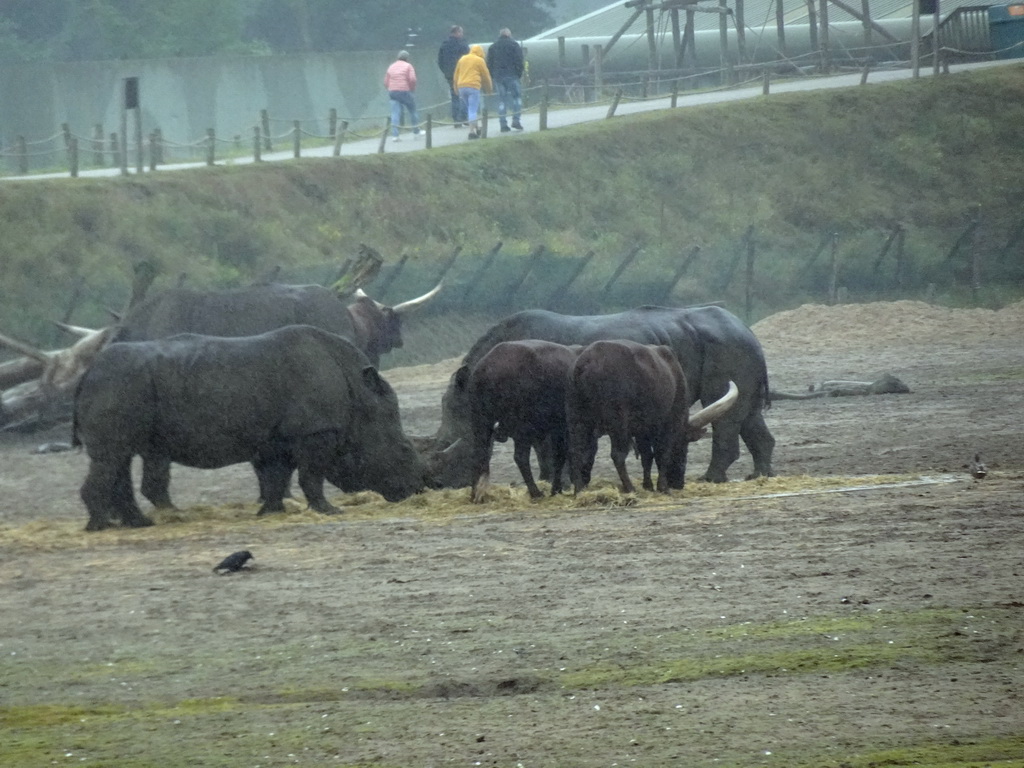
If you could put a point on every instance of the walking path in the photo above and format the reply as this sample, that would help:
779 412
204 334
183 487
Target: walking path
557 118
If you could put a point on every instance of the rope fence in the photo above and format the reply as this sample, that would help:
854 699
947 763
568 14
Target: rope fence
569 88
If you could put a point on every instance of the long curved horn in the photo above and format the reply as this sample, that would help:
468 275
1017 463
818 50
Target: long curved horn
406 306
76 330
451 447
709 413
361 294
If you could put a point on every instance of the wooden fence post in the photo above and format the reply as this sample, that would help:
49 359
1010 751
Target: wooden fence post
296 139
680 271
544 106
332 123
428 129
563 290
475 280
448 264
384 136
614 105
626 261
833 285
749 303
73 156
97 145
211 141
675 93
392 276
339 136
152 150
158 132
265 123
530 264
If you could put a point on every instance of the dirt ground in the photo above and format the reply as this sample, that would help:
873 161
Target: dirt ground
866 607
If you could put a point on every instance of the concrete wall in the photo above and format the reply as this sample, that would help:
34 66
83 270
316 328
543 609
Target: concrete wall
185 97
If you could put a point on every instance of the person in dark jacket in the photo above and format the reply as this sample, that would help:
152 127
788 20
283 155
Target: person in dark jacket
505 62
453 49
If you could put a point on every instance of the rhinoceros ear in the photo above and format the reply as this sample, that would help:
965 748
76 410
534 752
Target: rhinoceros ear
375 382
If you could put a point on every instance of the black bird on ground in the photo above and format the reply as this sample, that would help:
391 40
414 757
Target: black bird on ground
234 562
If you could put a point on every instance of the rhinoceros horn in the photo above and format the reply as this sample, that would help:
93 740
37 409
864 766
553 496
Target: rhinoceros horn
716 410
407 306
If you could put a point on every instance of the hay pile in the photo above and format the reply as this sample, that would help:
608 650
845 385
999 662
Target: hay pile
816 326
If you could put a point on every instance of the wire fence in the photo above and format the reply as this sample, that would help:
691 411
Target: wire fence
567 88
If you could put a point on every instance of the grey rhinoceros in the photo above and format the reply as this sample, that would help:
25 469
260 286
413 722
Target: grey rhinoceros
295 397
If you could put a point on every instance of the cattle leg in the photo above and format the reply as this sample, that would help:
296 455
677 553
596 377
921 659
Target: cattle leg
620 451
156 481
760 443
314 453
559 453
521 455
646 452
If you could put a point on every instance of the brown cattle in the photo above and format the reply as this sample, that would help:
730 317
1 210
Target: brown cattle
633 393
517 390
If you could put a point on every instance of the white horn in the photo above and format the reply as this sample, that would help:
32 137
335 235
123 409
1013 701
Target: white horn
710 413
77 330
406 306
361 294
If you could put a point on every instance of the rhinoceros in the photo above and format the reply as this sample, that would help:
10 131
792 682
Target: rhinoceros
295 397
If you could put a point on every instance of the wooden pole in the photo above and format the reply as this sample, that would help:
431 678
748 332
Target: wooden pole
265 124
615 103
680 271
296 139
915 38
544 106
211 142
563 290
598 72
484 266
626 261
339 136
723 41
833 285
780 27
826 53
741 31
936 41
384 136
538 252
97 145
428 129
73 156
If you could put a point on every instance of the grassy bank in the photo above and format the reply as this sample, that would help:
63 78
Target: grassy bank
926 154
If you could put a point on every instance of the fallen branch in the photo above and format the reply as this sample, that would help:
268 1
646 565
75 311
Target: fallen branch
887 385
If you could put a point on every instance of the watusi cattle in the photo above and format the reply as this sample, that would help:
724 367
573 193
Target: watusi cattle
712 345
635 394
517 390
295 397
373 327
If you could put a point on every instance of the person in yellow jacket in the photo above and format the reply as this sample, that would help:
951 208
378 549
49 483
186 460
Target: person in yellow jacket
472 78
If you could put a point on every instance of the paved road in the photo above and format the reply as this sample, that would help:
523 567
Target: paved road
446 135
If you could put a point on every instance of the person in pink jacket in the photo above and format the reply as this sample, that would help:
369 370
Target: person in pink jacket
472 78
400 81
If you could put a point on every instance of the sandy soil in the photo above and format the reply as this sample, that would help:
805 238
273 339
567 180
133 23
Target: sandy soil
817 619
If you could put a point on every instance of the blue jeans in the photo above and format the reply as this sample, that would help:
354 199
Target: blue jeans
509 94
458 108
400 100
471 100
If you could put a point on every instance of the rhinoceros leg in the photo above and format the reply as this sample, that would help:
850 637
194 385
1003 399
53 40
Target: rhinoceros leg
314 455
646 451
725 449
107 494
274 474
760 443
559 455
156 481
621 443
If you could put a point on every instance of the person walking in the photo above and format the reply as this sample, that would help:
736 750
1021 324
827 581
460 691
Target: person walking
400 81
453 49
472 78
506 65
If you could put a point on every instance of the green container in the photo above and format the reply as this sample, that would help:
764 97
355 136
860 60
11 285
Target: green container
1006 30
